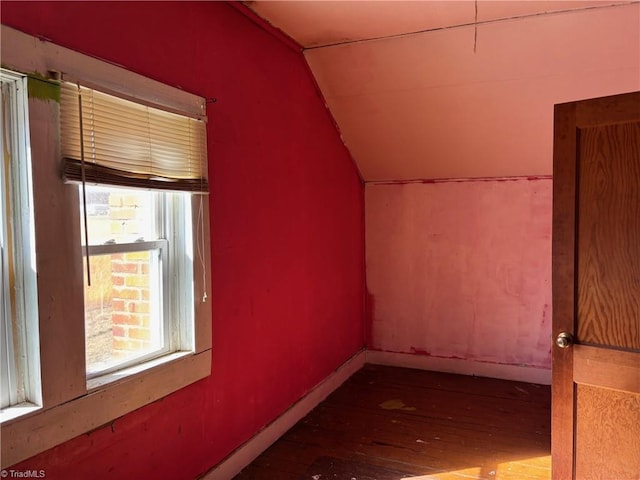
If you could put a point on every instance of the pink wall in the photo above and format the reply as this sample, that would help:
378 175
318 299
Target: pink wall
461 269
287 237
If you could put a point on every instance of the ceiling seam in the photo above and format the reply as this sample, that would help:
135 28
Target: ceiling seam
461 180
469 24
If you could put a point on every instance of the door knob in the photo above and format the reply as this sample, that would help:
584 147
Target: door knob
564 340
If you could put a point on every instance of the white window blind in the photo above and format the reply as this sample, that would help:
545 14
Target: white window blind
130 144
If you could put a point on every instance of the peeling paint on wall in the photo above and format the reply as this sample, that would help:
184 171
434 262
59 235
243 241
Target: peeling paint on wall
42 88
370 308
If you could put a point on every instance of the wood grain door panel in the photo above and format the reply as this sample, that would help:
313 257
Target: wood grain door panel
607 444
609 235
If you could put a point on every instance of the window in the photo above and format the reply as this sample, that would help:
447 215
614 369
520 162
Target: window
114 209
138 287
134 239
18 308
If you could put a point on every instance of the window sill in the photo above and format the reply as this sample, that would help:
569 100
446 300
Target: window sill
16 411
105 401
122 375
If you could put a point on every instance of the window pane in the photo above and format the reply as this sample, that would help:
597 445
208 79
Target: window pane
116 215
6 347
123 314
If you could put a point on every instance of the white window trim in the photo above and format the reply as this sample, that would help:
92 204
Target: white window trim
22 231
70 405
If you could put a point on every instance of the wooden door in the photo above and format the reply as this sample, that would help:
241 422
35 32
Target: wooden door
596 289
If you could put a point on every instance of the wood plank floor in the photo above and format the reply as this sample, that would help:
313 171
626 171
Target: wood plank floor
389 423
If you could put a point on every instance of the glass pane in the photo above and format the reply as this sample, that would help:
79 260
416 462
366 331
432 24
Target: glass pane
123 318
116 215
8 388
5 346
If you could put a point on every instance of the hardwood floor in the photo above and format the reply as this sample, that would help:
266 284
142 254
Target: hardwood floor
389 423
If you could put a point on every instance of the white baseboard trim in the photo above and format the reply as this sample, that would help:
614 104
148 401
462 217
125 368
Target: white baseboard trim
465 367
245 454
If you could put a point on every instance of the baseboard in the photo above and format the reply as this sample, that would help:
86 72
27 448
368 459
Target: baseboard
465 367
246 453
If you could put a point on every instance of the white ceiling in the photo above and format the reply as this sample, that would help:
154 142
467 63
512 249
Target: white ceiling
449 89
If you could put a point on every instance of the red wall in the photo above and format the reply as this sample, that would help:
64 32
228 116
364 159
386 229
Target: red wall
287 230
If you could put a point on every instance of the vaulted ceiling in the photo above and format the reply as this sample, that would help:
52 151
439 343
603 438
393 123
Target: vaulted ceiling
450 89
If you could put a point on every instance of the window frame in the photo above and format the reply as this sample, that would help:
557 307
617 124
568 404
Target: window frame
17 205
71 405
174 321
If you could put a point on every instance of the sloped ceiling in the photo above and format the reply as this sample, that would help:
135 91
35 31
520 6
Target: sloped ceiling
457 89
